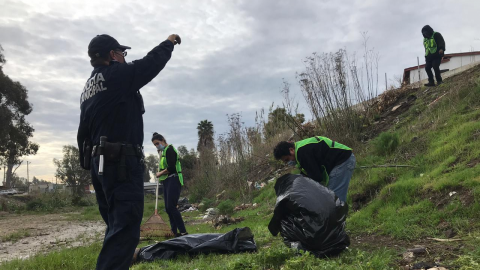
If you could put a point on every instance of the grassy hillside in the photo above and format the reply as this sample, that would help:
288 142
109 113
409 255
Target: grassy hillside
392 208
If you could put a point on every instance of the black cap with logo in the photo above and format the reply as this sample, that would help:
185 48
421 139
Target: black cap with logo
103 44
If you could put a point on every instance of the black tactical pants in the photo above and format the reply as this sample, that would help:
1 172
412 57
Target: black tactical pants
171 195
121 207
435 63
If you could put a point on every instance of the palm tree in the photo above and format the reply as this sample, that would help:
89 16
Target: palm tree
205 135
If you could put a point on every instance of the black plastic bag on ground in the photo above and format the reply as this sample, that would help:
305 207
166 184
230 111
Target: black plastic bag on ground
309 216
236 241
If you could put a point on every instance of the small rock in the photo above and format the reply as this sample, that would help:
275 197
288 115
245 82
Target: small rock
424 265
450 233
255 205
408 256
418 251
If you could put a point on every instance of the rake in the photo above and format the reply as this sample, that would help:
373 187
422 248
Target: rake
155 226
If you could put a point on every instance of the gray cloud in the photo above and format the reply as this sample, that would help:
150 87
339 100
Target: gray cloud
233 57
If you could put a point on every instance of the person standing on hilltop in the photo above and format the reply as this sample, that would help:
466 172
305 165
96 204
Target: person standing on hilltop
434 50
326 161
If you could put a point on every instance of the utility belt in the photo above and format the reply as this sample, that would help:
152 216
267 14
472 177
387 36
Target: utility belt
112 151
116 153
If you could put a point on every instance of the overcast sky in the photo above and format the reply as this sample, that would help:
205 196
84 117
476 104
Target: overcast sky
232 59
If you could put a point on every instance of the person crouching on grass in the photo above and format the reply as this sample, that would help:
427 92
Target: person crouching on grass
170 174
326 161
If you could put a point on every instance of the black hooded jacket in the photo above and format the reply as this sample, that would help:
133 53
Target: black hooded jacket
427 32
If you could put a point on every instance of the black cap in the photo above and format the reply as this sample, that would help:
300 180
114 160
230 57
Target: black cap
103 44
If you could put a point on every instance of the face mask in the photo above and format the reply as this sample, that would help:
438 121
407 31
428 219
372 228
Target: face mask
292 163
160 147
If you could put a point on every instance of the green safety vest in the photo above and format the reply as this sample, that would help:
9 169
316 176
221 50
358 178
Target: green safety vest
430 45
162 165
318 139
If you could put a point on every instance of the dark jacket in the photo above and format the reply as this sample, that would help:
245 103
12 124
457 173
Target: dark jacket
111 104
171 157
427 32
313 157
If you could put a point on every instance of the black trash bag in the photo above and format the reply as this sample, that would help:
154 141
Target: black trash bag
236 241
309 216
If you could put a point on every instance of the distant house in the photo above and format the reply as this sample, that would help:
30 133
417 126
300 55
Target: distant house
451 64
39 188
45 188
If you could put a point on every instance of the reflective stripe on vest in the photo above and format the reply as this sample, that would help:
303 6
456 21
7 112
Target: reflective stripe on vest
430 45
318 139
162 165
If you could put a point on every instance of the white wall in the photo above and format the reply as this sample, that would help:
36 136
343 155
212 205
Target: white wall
455 65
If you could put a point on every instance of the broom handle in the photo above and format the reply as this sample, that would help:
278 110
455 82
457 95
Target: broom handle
156 191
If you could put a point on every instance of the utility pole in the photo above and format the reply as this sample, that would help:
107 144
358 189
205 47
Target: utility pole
418 66
386 81
28 178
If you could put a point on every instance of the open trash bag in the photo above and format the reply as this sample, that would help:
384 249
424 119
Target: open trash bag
309 216
236 241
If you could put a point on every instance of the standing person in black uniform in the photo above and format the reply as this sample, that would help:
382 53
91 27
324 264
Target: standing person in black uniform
434 50
170 174
111 132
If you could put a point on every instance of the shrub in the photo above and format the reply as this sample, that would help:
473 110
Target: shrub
386 143
226 207
34 205
207 203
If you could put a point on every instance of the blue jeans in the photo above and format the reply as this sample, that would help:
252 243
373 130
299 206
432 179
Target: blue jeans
340 176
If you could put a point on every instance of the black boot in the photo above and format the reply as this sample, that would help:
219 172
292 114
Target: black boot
440 82
430 84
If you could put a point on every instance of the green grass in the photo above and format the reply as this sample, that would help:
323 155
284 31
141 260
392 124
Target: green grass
15 236
441 142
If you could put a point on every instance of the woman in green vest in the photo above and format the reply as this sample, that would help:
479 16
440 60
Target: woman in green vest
170 174
328 162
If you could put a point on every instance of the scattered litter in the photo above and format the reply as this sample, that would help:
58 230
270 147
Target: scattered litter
183 204
236 241
421 175
259 185
191 209
445 240
408 256
244 206
220 195
210 213
452 193
309 216
221 220
271 180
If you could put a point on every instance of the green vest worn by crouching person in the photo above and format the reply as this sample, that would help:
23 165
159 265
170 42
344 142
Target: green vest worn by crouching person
318 139
162 165
430 45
